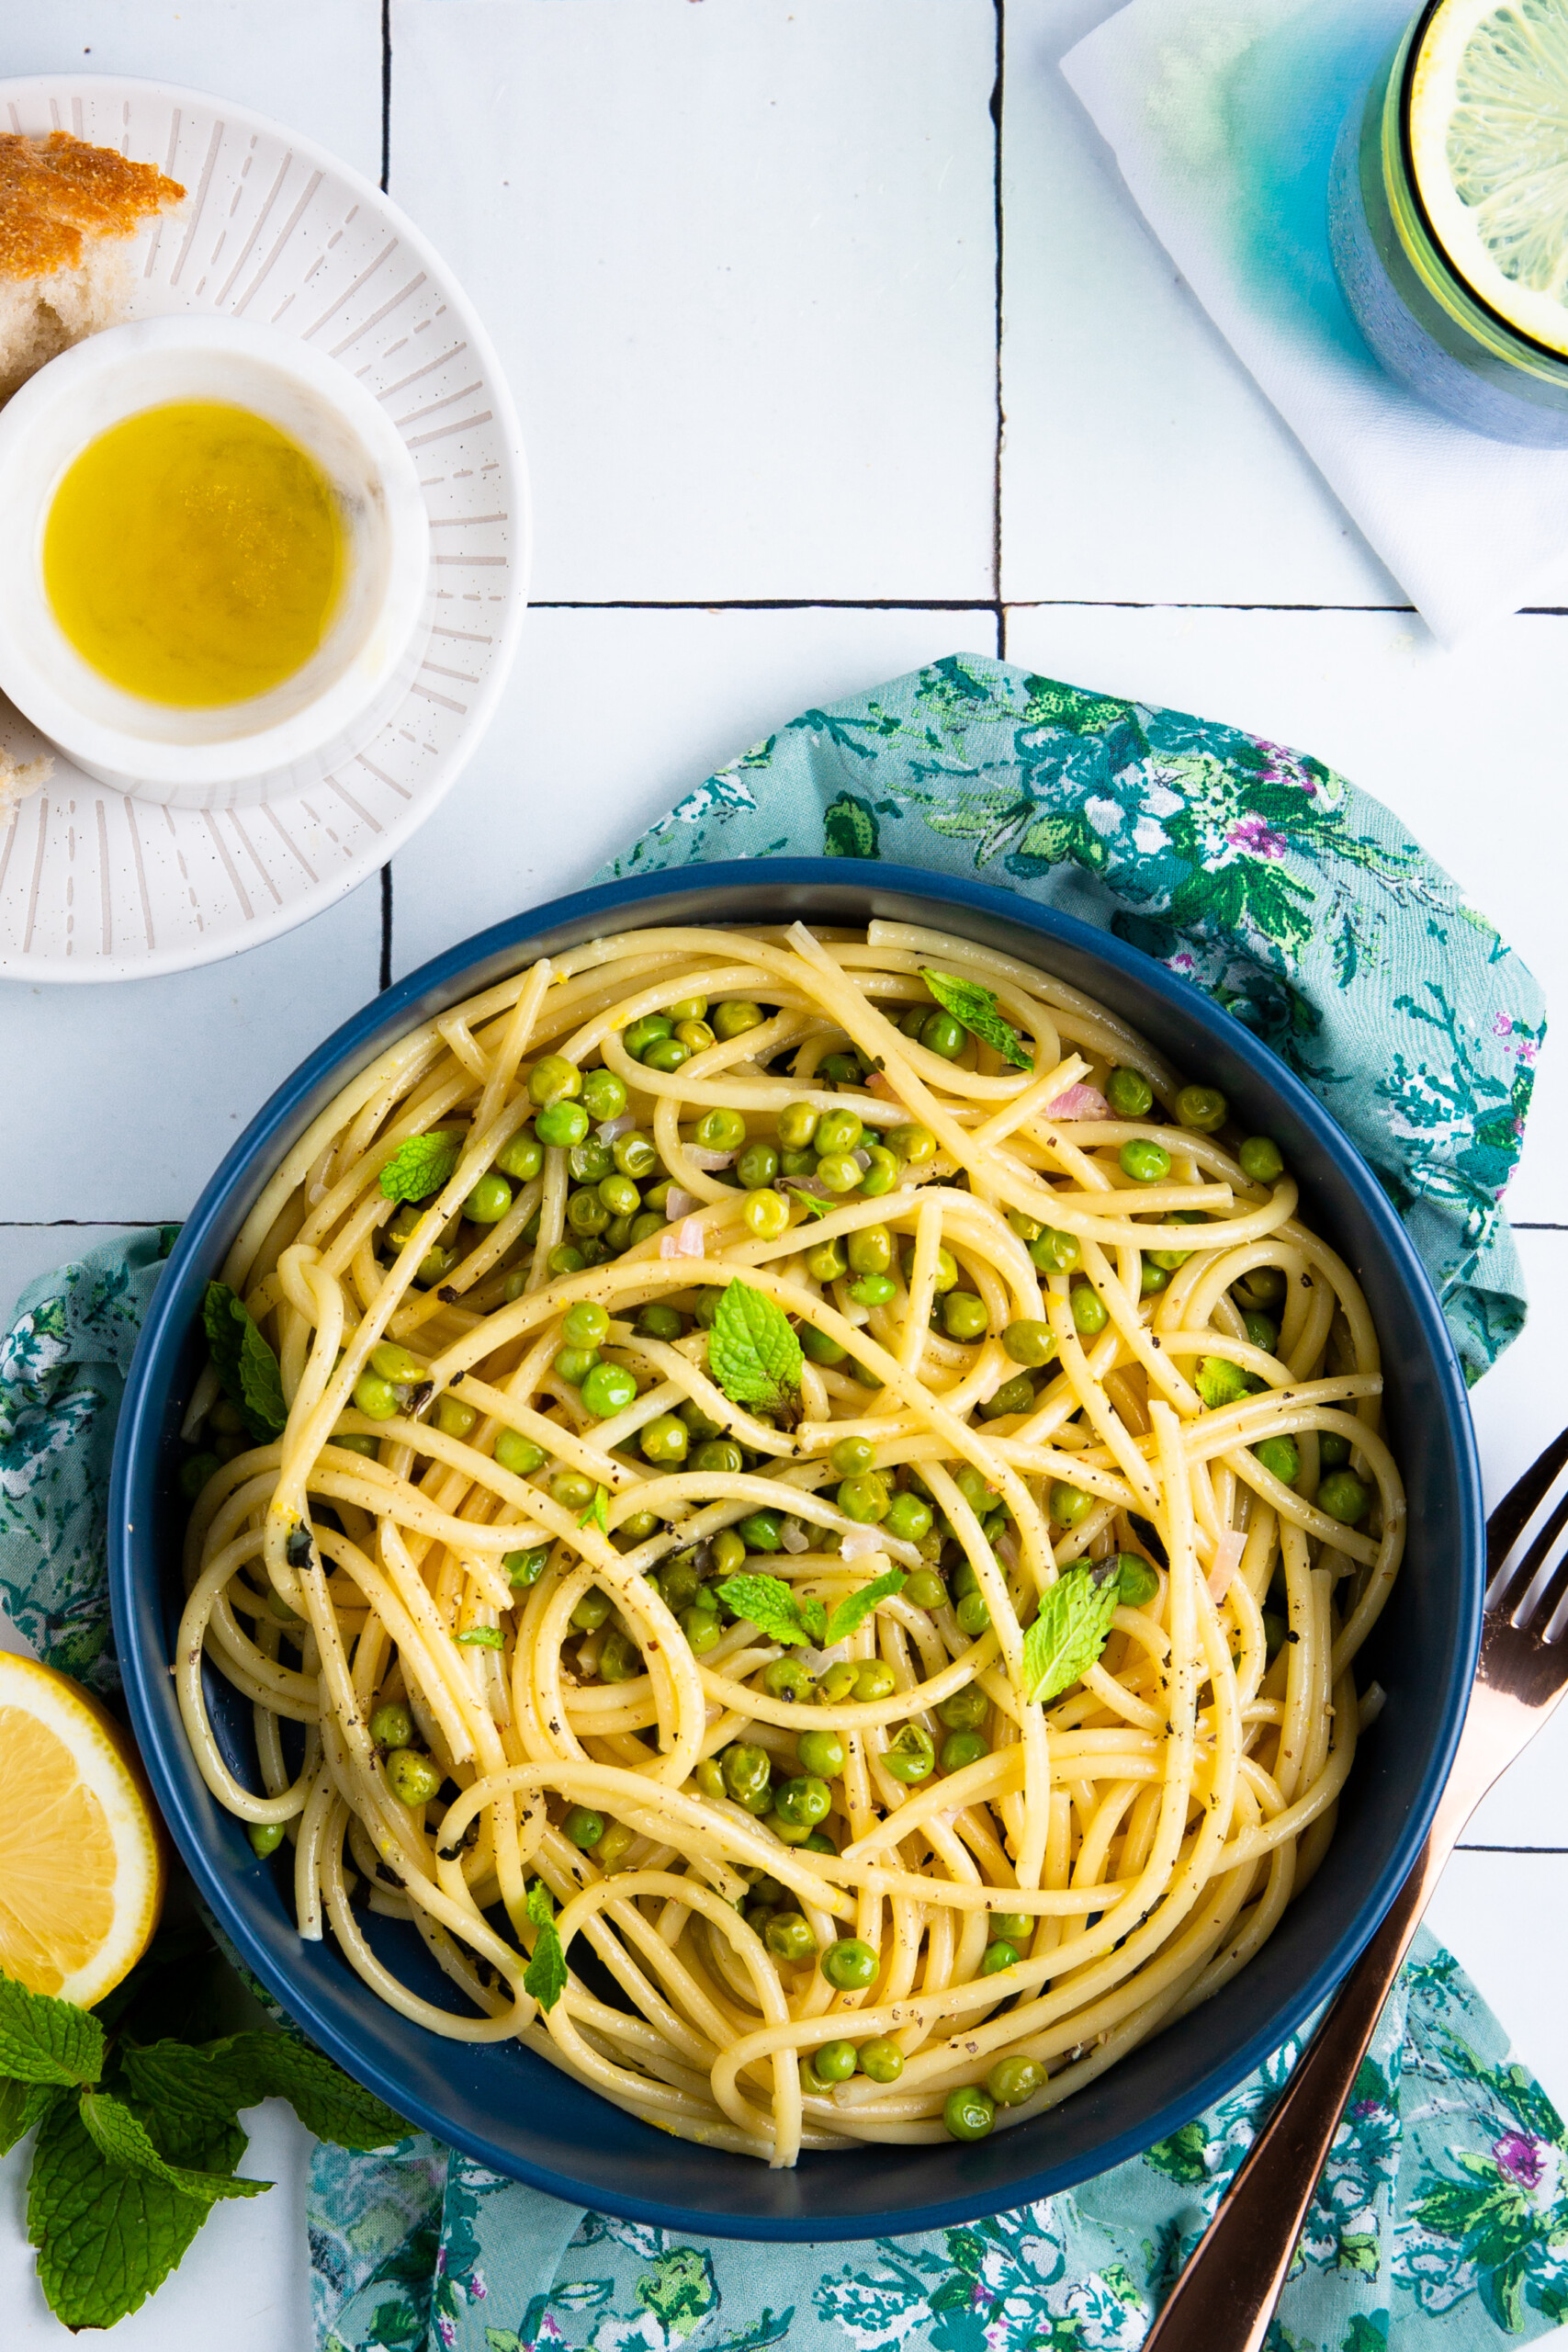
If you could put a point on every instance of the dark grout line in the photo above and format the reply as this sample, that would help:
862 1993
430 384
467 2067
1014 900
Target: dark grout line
384 968
762 604
1463 1849
1521 1225
384 979
1170 604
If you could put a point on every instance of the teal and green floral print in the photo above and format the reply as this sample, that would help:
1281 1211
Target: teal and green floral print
1294 901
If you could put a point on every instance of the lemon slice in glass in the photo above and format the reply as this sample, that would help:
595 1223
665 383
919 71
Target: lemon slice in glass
1488 125
81 1847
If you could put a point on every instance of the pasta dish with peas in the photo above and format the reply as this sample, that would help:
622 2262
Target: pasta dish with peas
803 1506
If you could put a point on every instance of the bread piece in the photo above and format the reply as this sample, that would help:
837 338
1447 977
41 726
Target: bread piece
17 778
68 211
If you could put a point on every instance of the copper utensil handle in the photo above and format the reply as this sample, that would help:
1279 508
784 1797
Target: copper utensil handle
1226 2297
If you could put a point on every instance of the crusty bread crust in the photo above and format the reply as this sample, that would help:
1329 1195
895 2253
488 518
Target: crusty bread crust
68 211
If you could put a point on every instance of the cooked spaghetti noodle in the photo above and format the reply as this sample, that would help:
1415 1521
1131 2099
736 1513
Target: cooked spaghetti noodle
697 1271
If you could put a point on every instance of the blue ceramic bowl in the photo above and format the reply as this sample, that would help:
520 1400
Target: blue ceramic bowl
508 2109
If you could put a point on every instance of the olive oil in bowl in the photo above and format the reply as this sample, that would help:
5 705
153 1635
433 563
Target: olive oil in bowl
195 555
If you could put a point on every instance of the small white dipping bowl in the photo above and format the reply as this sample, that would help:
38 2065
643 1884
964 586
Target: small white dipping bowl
273 745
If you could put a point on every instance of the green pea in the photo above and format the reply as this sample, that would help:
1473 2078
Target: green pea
1011 2081
657 1322
796 1125
908 1517
561 1125
639 1035
789 1937
943 1036
434 1267
520 1155
1013 1926
525 1568
761 1531
572 1490
1262 1330
734 1016
968 2113
873 1678
803 1802
720 1455
926 1589
517 1454
880 2061
1029 1343
720 1130
1333 1451
821 1754
1136 1582
638 1525
1069 1504
666 1054
701 1629
1129 1094
864 1498
962 1747
695 1035
554 1080
1016 1396
604 1095
1055 1252
645 1226
1204 1107
1265 1286
200 1468
620 1196
657 1197
583 1828
266 1837
836 1684
413 1779
914 1144
817 1841
747 1770
565 1259
838 1131
619 1656
591 1611
766 1215
964 1315
1090 1314
1260 1160
912 1756
996 1957
819 1346
1145 1161
708 1774
375 1398
972 1485
586 1324
882 1175
912 1021
729 1549
797 1163
574 1365
827 1262
586 1214
665 1438
873 1290
1274 1631
453 1417
850 1965
608 1389
1152 1279
790 1678
835 2062
1344 1496
391 1725
689 1008
489 1201
973 1616
758 1165
851 1455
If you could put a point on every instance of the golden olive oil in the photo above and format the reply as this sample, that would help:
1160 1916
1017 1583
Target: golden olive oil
194 554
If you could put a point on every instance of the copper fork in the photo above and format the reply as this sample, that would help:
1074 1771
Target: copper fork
1224 2298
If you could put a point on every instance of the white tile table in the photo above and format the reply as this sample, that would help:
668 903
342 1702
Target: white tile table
742 262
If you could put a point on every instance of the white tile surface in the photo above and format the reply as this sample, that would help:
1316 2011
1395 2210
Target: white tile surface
141 1086
738 260
609 718
1141 461
1503 1915
1464 746
314 65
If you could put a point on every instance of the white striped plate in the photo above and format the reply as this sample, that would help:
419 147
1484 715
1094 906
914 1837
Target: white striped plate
97 887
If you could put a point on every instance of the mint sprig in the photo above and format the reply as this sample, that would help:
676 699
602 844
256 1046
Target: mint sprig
546 1974
977 1009
753 1351
598 1511
137 2142
1070 1629
423 1165
857 1606
244 1364
799 1620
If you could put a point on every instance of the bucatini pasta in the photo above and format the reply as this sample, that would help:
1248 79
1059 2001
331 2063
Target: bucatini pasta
803 1508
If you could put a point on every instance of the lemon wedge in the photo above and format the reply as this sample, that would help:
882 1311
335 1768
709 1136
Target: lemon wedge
80 1849
1489 147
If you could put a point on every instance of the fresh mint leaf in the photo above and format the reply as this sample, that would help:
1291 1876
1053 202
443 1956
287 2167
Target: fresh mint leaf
46 2040
21 2106
105 2237
980 1013
1221 1383
767 1603
206 2085
244 1363
598 1512
124 2140
753 1351
481 1637
852 1612
545 1976
423 1165
1069 1630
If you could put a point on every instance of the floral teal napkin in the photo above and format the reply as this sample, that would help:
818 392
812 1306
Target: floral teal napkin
1305 909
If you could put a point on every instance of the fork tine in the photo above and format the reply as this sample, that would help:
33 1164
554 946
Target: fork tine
1545 1608
1518 1506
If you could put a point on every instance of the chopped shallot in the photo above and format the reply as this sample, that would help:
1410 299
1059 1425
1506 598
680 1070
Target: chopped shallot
683 1240
877 1083
861 1160
1228 1559
794 1537
1077 1102
859 1542
679 1204
612 1129
710 1161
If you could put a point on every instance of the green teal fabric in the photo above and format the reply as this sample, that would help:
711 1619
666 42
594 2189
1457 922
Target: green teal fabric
1306 909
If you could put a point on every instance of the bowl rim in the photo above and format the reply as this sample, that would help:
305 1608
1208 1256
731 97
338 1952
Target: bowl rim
137 1615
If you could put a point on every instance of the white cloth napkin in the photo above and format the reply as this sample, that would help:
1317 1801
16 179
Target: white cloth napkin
1222 115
